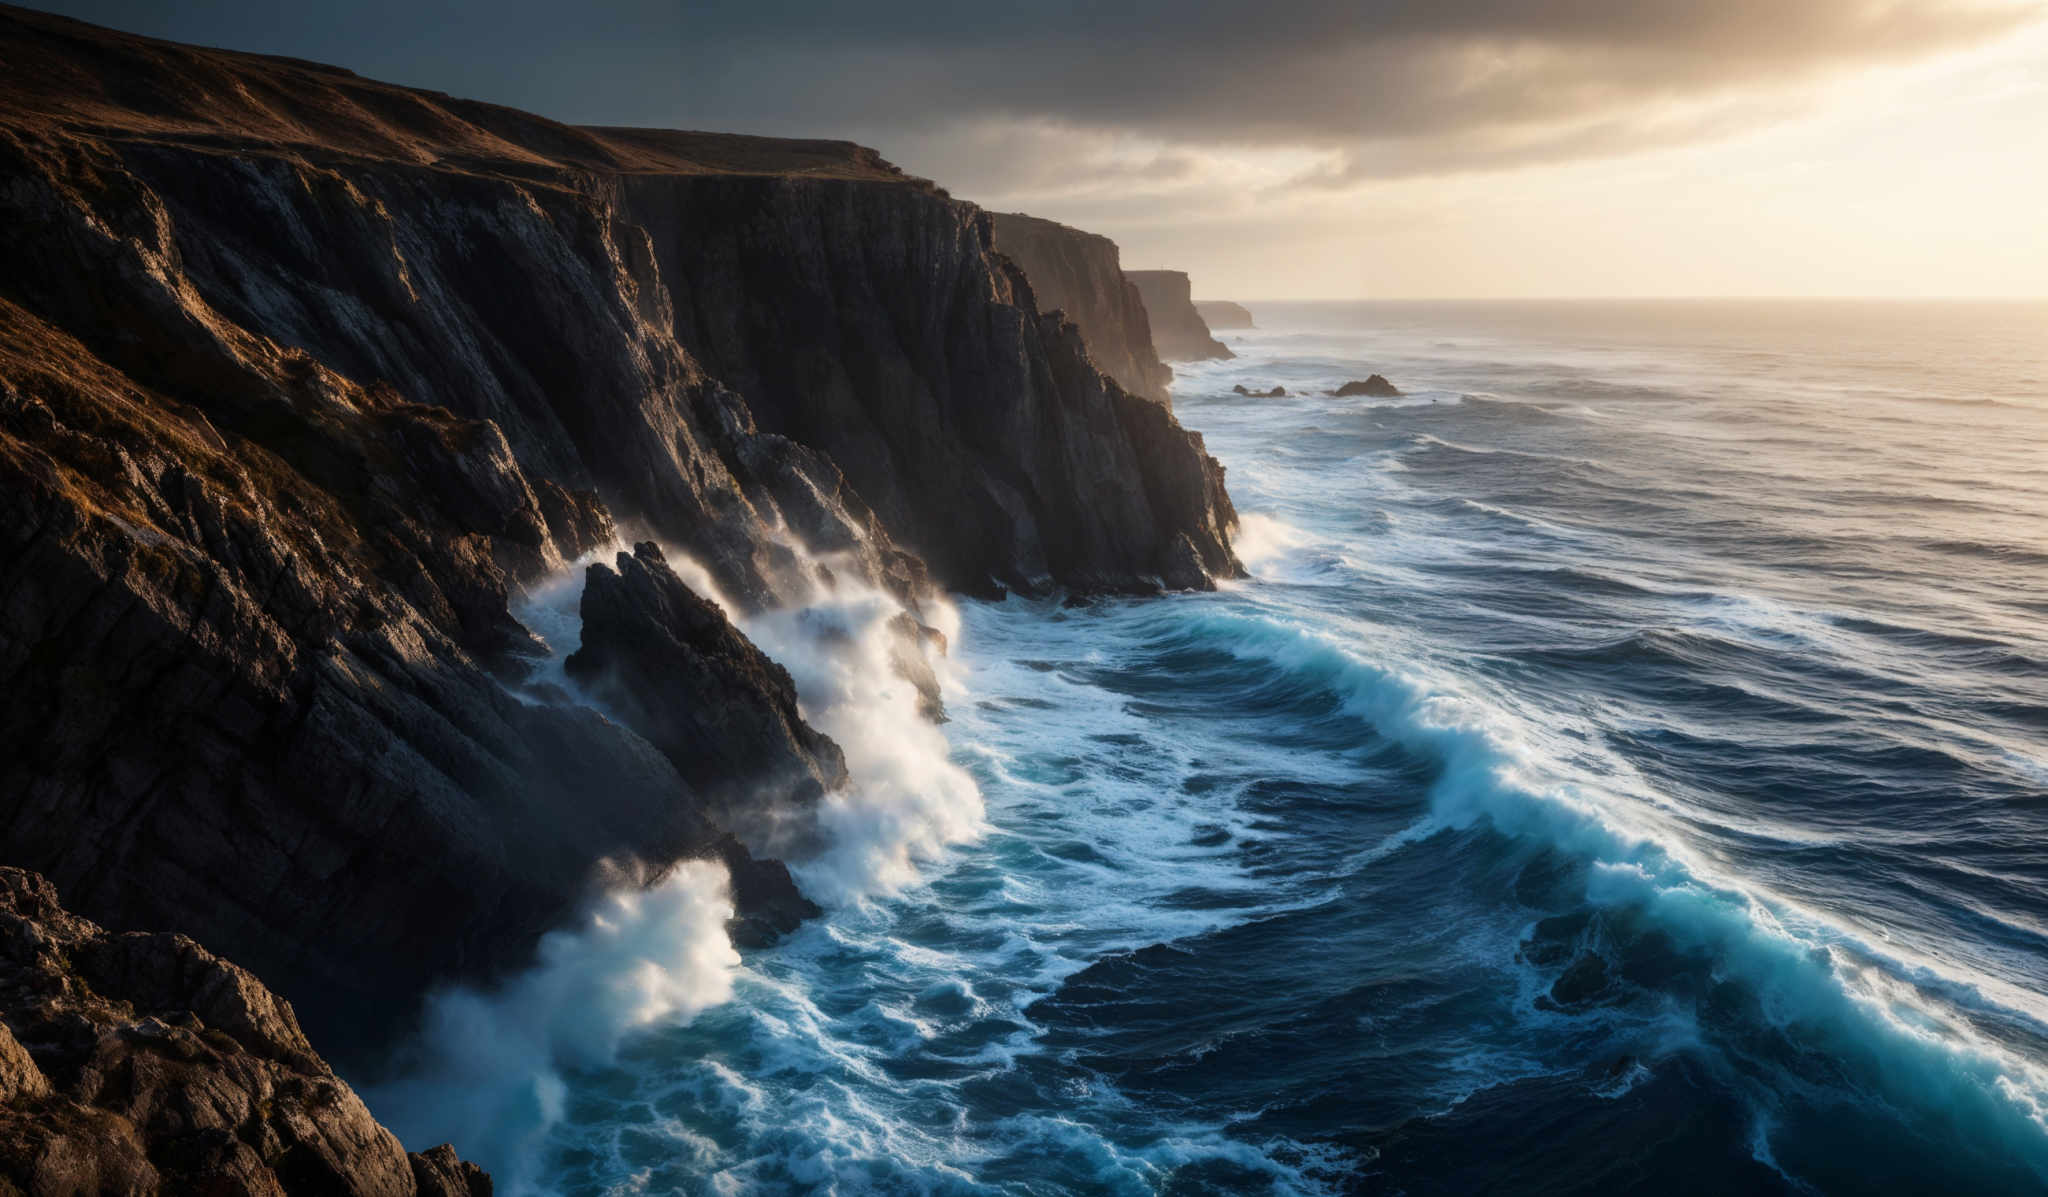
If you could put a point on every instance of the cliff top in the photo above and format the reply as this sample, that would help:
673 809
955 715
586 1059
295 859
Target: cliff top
1024 222
66 75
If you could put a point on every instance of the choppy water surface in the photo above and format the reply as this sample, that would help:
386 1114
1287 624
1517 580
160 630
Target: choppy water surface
1626 770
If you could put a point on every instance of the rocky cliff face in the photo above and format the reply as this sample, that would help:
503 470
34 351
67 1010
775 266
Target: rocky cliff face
1177 329
304 377
877 325
1221 313
143 1064
1081 275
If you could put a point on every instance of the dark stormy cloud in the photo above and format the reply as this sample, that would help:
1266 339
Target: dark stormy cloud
1178 124
1482 82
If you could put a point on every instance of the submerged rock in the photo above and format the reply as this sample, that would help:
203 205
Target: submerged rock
1275 393
1376 387
145 1064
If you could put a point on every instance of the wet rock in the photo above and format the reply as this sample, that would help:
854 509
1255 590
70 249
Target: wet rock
1274 393
911 650
766 902
976 428
670 663
1376 387
439 1172
1585 980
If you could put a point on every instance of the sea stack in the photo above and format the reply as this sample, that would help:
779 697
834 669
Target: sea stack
1178 331
1079 275
1221 313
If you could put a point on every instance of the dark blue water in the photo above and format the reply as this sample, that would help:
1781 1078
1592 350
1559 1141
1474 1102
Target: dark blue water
1626 771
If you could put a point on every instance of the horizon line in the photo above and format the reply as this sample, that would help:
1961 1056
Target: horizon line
2015 299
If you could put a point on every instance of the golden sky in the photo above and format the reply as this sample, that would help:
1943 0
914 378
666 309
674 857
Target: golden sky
1920 179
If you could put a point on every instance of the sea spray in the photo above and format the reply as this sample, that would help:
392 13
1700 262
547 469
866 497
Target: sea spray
550 608
486 1069
840 643
1262 538
908 800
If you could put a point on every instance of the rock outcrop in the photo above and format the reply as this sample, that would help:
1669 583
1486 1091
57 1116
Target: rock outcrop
670 663
1177 329
877 325
144 1064
1274 393
1376 387
1081 276
1221 313
304 377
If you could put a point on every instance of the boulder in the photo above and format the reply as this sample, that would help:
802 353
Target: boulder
1376 387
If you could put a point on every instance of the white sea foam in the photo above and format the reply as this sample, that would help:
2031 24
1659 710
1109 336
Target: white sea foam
488 1067
1261 538
1093 839
551 610
1864 998
864 1053
908 801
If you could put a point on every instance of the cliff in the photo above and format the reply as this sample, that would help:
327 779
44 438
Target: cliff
304 378
1081 275
1221 313
1177 329
144 1064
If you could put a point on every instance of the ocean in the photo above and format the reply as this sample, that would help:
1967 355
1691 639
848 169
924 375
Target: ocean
1624 770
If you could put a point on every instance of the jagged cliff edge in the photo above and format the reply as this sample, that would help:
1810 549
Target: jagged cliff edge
304 377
